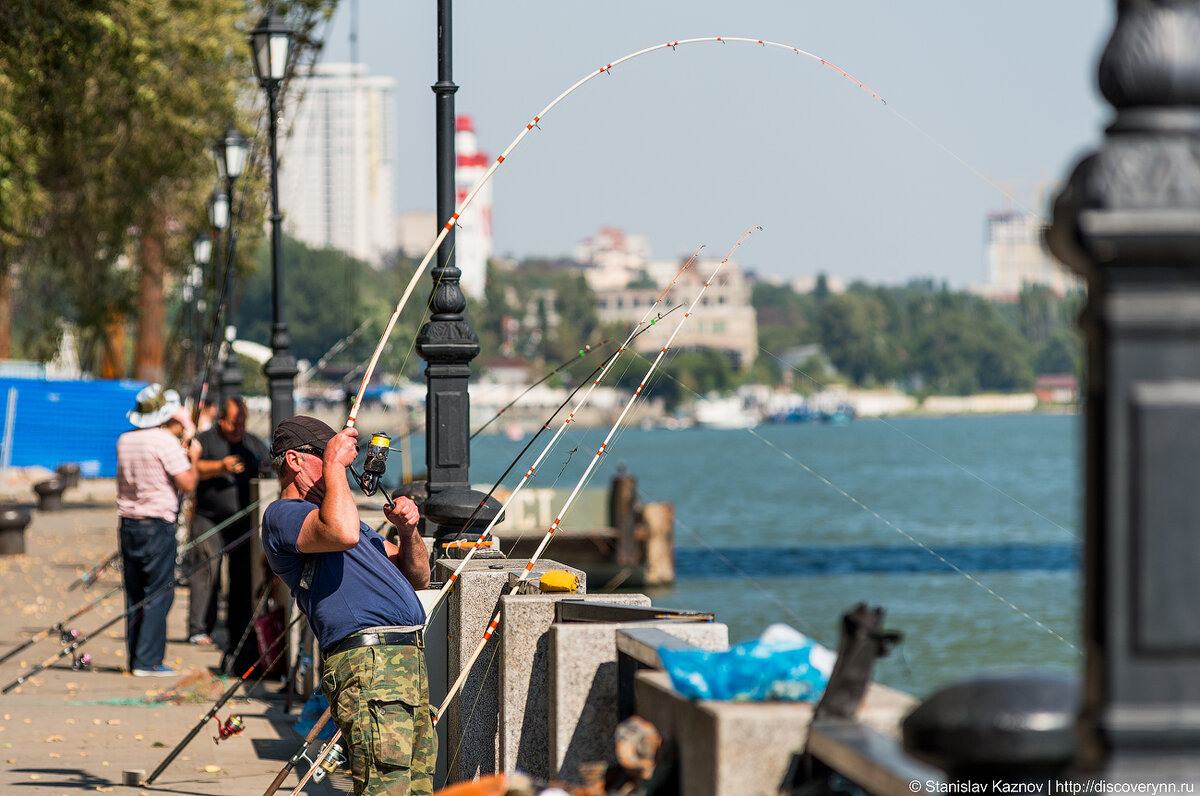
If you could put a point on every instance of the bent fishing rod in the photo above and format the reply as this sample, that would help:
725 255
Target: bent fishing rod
233 725
60 627
643 326
458 684
79 642
524 575
487 175
315 762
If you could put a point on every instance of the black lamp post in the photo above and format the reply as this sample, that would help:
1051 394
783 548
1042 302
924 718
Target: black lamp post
229 153
447 342
218 222
270 46
194 295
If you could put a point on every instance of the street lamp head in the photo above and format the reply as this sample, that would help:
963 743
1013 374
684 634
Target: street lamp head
218 209
270 46
230 152
202 249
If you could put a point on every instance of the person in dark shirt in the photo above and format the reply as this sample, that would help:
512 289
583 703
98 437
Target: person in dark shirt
229 460
358 592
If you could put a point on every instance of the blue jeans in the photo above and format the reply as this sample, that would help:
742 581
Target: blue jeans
148 556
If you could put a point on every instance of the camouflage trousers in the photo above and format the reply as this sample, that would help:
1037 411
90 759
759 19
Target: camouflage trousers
379 699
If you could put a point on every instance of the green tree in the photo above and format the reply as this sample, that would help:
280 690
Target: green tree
968 347
1037 313
123 99
853 332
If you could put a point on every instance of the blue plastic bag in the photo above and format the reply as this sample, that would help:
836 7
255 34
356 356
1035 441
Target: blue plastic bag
312 710
782 664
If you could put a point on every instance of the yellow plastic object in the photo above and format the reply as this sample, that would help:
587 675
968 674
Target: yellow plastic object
558 580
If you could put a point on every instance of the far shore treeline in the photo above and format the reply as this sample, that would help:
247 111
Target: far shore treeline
921 337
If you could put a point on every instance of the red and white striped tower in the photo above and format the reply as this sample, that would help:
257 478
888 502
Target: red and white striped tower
473 237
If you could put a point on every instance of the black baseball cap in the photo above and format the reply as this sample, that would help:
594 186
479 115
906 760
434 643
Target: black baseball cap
299 432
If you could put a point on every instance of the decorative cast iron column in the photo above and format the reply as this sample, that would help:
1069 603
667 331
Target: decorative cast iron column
447 342
1128 220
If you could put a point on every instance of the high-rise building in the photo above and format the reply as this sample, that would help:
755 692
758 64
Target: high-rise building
336 183
1017 257
473 235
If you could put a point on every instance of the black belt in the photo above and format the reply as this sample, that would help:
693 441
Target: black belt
384 639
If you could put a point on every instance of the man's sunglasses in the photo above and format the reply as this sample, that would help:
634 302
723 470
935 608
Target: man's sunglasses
314 450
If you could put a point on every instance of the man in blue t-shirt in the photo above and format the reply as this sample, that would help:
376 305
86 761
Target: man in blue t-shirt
358 592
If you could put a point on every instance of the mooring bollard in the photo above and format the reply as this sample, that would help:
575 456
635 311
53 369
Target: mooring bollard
49 494
68 473
14 519
1008 728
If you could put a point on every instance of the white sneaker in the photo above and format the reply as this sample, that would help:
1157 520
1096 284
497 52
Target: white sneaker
155 671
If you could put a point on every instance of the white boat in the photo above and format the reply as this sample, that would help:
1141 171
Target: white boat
730 412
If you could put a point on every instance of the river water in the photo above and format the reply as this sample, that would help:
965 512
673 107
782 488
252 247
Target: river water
965 530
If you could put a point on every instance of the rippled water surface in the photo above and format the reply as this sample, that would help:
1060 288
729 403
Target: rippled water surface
964 529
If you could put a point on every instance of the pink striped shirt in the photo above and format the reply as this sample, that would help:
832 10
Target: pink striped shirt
147 458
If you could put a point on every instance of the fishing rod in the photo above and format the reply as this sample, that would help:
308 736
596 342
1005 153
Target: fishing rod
87 579
606 69
301 754
644 324
333 350
90 575
327 757
323 755
79 642
59 627
233 725
524 575
583 352
297 669
255 615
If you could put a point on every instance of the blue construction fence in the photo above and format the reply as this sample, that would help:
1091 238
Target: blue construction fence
65 422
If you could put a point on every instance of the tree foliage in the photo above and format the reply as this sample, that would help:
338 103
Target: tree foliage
109 111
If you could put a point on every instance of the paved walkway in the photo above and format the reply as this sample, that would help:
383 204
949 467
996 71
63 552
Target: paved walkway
65 731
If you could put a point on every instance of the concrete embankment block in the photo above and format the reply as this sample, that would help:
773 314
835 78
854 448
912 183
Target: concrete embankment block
584 681
724 747
526 673
472 719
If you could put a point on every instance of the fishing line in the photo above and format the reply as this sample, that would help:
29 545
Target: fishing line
754 582
977 172
606 69
914 540
583 352
1072 534
462 735
900 531
645 323
523 576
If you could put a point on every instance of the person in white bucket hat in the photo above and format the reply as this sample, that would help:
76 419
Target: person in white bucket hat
156 465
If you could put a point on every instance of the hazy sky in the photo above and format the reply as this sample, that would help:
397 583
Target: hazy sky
692 146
